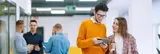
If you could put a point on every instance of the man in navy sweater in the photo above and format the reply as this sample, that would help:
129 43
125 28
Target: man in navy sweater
34 38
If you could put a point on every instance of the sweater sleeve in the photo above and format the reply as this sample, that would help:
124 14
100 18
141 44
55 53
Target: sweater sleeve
81 41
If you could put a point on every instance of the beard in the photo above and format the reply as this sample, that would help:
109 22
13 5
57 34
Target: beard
54 33
22 31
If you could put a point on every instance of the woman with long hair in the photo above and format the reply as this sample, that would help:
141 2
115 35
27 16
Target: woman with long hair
121 41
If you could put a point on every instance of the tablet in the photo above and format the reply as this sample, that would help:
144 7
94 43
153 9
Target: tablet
105 40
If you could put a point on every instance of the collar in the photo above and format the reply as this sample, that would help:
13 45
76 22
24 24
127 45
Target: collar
59 33
18 33
33 34
94 21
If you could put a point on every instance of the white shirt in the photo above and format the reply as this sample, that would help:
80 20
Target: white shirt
4 44
119 44
94 20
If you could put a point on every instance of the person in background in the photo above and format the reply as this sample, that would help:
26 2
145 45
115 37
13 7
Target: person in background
3 36
0 36
19 42
121 41
58 43
92 29
34 38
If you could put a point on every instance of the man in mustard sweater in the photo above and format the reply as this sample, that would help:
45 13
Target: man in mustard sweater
92 29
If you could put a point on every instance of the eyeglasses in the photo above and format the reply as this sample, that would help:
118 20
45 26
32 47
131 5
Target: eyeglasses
99 15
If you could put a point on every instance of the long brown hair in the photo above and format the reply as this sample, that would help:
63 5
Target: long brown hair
122 23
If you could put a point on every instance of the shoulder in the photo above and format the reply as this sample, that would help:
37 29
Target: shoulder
26 33
131 37
111 37
17 37
65 39
103 25
53 37
38 35
86 21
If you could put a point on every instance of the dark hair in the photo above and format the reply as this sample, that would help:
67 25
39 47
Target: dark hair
122 23
33 21
19 22
102 7
57 26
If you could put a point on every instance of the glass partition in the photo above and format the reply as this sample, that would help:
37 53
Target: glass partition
7 26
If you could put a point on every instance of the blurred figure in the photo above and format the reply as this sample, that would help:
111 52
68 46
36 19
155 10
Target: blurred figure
19 42
2 24
34 38
3 38
58 43
92 29
121 41
0 35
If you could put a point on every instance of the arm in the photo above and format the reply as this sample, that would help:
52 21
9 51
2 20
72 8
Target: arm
81 41
111 48
49 46
40 44
18 45
133 46
105 31
105 35
68 47
25 37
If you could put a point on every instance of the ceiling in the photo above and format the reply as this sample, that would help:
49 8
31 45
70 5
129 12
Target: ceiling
63 6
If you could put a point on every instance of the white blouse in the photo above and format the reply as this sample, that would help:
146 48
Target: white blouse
119 44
